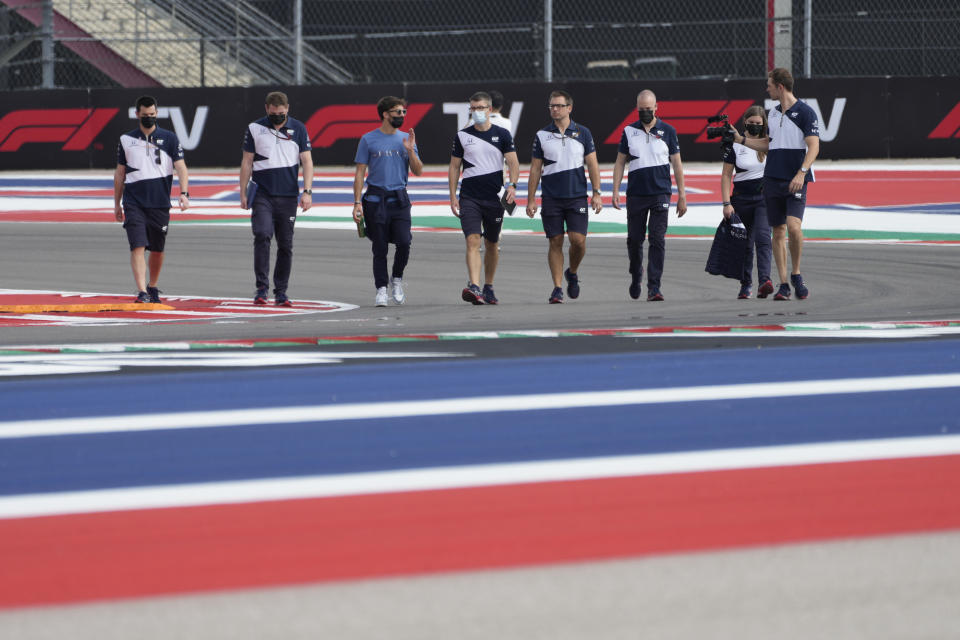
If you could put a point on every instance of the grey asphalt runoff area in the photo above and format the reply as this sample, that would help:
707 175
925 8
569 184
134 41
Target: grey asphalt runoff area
848 283
902 587
888 587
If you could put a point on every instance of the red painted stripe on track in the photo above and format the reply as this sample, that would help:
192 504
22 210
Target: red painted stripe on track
139 553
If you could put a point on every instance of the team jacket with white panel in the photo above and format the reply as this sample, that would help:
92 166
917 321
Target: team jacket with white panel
149 167
276 155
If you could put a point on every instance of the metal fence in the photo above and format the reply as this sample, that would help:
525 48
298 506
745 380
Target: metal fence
113 43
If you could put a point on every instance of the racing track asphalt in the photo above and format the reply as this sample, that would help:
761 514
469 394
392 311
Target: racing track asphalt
849 282
887 587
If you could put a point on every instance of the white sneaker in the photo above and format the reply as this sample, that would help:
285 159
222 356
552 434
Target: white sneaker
382 297
398 295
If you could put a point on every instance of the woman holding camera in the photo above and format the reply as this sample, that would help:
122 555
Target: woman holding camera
743 175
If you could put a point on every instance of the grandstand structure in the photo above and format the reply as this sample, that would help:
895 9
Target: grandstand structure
223 43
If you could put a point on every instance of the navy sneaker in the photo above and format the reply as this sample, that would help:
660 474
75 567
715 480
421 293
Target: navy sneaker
488 295
260 297
654 295
281 300
557 296
766 288
634 289
143 298
783 293
154 294
745 292
573 284
472 294
799 287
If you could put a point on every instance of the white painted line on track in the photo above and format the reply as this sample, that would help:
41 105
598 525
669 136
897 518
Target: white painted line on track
484 475
888 333
73 363
468 405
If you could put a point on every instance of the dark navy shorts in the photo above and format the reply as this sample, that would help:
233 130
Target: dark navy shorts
146 227
574 212
481 217
781 203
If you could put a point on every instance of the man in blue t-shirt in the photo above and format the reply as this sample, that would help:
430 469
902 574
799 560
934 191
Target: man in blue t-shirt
561 150
389 155
274 149
651 147
793 146
480 150
146 160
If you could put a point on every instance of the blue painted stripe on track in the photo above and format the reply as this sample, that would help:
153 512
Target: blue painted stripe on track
98 395
66 463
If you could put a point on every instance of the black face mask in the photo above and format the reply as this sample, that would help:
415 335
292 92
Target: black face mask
754 129
646 115
276 119
148 122
396 122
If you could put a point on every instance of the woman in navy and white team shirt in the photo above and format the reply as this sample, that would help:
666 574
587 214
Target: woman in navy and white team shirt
743 173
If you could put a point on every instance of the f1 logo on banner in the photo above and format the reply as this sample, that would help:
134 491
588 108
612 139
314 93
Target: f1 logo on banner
76 128
349 122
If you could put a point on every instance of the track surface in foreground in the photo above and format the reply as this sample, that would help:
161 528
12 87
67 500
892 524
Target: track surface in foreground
839 451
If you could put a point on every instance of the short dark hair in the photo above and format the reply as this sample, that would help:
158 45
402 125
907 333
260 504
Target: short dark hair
496 100
146 101
559 93
782 76
386 103
276 99
481 95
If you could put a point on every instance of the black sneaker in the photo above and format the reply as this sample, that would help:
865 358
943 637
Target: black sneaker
745 292
654 295
154 294
488 295
634 289
281 300
557 296
143 298
573 284
472 294
799 287
783 293
260 297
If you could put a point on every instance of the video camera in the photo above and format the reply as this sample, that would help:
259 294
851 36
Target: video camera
725 132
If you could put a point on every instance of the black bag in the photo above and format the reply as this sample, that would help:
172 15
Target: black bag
729 249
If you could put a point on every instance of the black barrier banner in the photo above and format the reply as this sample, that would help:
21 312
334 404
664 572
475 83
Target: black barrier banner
859 118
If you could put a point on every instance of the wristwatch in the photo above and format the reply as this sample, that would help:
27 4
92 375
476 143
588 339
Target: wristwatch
802 170
510 184
309 192
598 192
185 193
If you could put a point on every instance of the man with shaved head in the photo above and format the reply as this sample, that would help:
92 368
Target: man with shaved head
650 146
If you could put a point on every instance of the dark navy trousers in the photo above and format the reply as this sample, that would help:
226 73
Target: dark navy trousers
752 210
273 215
387 219
647 218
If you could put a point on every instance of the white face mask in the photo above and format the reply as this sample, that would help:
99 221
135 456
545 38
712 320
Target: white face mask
479 117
